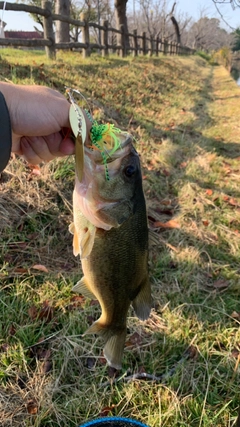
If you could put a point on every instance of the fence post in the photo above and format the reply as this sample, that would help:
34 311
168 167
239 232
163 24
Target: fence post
160 49
123 41
150 52
104 38
170 48
48 29
174 48
143 44
85 36
135 43
157 45
165 46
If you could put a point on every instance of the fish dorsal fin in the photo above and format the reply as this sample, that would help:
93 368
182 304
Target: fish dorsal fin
87 241
81 288
142 304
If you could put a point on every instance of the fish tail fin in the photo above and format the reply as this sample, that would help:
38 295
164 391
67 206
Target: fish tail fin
142 304
114 342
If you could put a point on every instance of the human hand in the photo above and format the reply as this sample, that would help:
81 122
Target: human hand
38 114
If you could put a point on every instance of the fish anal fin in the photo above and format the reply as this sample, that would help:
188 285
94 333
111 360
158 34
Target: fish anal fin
114 342
81 288
142 303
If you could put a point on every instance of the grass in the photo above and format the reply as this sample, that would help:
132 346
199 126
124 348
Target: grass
184 115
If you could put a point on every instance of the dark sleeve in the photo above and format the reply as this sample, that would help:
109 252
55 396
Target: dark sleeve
5 134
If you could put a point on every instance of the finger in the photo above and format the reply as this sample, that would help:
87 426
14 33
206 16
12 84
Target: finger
67 147
35 150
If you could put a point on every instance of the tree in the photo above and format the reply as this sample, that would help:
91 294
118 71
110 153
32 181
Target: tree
233 3
121 16
62 7
206 34
236 40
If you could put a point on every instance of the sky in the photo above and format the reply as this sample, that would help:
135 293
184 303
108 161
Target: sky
22 21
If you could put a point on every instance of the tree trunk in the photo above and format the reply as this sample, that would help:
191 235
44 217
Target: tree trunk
121 18
176 27
62 7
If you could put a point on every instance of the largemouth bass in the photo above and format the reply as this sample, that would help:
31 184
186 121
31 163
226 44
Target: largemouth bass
111 236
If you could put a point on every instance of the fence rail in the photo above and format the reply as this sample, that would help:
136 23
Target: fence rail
129 42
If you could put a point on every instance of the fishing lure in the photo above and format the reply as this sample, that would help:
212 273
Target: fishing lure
103 137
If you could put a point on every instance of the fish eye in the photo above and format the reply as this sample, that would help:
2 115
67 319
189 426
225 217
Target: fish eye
130 171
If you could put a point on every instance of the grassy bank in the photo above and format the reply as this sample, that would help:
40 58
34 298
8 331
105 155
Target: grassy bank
184 116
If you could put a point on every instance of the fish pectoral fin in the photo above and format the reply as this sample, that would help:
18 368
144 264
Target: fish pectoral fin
114 342
71 228
76 248
87 241
81 288
142 304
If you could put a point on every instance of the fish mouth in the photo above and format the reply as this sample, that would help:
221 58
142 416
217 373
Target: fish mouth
107 155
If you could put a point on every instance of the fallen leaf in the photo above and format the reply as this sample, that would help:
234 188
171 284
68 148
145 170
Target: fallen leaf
166 202
12 330
235 315
225 198
105 411
113 372
166 172
235 353
220 284
192 352
32 407
205 222
46 312
134 340
183 165
33 312
233 202
20 270
4 347
43 353
46 366
40 267
169 224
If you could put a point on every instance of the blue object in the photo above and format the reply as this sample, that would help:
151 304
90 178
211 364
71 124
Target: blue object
113 422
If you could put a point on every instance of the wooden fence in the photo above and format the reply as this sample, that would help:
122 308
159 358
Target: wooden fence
138 44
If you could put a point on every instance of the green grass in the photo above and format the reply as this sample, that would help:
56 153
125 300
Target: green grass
184 115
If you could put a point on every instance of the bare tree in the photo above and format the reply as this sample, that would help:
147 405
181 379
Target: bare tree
62 7
121 16
206 34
